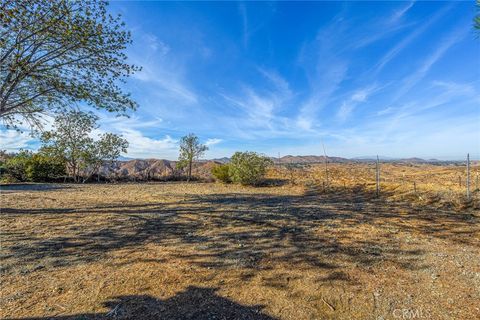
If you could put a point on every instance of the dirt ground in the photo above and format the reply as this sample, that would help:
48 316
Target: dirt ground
209 251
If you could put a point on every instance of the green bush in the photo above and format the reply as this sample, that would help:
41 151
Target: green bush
16 166
4 176
44 168
248 168
26 166
221 173
3 169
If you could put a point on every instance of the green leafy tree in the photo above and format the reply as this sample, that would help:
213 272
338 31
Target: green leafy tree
476 20
248 168
56 53
190 149
103 152
70 140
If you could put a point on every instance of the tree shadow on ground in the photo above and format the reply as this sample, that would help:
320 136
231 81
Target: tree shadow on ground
321 231
18 187
193 303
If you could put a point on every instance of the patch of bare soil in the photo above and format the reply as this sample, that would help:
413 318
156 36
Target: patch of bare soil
208 251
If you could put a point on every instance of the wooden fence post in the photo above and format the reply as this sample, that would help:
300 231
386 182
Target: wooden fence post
414 187
326 163
377 177
468 176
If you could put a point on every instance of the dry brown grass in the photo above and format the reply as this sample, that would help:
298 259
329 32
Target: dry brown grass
442 187
209 251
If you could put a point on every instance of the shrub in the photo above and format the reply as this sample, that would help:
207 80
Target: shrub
4 176
44 168
221 173
3 169
16 166
248 168
26 166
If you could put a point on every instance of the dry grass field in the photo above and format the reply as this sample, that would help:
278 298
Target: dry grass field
291 250
418 184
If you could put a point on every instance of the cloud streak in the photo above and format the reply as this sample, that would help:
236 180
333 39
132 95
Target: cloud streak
359 96
13 140
453 38
392 53
242 9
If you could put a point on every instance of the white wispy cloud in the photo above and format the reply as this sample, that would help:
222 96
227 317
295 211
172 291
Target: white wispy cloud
141 146
451 86
24 138
259 109
212 141
167 84
398 14
305 123
328 83
282 86
449 41
434 96
134 121
412 133
13 140
155 45
326 67
382 28
162 71
429 106
242 9
359 96
385 111
392 53
260 106
345 110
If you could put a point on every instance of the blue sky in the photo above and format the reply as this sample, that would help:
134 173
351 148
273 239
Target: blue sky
398 79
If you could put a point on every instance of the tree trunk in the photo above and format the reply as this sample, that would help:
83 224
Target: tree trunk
189 170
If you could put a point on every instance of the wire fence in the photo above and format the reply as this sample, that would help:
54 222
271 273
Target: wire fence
447 182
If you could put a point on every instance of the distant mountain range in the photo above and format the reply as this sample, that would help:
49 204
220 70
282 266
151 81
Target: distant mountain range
309 159
402 160
321 159
318 159
160 169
